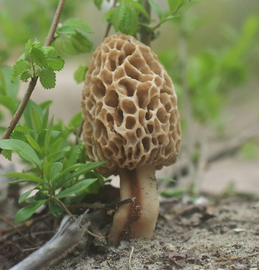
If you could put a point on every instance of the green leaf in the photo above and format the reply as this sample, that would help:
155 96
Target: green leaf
175 5
27 211
45 104
88 167
66 30
80 186
118 15
37 54
78 23
47 78
75 122
7 154
28 177
6 86
57 166
98 3
28 47
156 8
67 170
55 208
36 120
25 76
8 103
53 58
23 149
79 74
81 43
24 196
34 144
137 6
20 67
27 114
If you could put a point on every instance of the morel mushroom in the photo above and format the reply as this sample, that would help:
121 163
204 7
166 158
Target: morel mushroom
131 120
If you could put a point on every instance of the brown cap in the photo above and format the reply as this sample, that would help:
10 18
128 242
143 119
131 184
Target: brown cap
129 107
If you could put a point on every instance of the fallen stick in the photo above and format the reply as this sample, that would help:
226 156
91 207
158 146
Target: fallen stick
67 237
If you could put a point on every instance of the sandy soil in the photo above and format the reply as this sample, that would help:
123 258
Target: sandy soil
228 239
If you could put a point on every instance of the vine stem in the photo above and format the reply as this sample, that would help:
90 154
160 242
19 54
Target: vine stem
33 82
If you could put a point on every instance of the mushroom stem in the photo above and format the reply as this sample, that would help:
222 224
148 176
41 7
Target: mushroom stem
137 219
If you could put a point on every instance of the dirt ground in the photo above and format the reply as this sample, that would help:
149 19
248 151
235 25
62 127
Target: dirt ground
224 236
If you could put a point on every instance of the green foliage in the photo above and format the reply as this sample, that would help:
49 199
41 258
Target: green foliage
54 167
71 37
124 17
38 60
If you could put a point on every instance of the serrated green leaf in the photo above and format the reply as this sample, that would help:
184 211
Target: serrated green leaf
156 8
79 74
98 3
130 23
37 54
24 196
28 47
81 43
24 129
27 211
78 23
8 103
25 76
55 208
53 58
76 120
18 135
118 15
23 149
25 176
66 30
19 67
78 187
138 7
7 154
47 78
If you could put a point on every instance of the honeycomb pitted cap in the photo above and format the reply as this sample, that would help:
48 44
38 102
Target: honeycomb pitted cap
129 108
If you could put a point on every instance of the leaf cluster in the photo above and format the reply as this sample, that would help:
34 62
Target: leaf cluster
57 169
38 61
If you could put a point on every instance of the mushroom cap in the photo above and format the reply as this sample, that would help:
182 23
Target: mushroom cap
129 108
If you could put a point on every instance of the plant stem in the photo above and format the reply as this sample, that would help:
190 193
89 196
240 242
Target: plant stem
145 34
33 82
63 206
109 24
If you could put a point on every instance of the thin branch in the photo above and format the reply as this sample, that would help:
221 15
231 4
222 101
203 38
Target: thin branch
18 231
54 24
33 81
145 34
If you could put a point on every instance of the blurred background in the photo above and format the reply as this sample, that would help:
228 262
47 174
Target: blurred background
210 50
